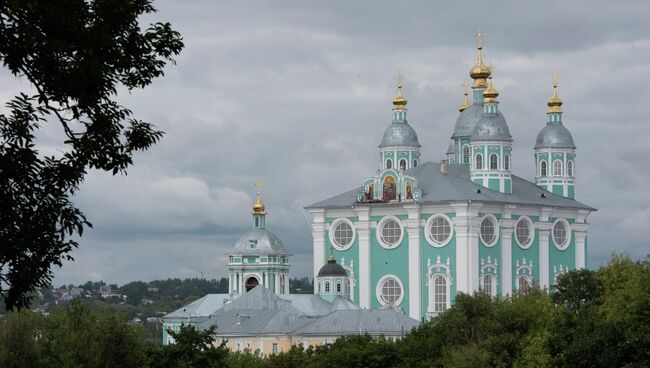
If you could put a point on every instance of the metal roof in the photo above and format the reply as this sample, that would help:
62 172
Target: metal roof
259 242
457 186
361 321
399 134
467 120
200 307
490 128
554 135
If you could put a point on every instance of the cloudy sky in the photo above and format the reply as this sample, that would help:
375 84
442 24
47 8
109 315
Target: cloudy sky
298 94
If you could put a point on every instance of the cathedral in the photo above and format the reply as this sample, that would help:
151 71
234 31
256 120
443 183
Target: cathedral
416 233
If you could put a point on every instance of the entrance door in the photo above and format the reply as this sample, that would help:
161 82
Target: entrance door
251 282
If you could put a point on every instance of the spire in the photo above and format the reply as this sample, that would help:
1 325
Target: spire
399 102
490 92
331 259
554 104
480 71
465 104
258 207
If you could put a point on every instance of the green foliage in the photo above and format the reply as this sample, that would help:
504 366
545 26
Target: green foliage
75 55
192 349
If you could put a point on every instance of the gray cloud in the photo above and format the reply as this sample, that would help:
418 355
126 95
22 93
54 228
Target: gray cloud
298 95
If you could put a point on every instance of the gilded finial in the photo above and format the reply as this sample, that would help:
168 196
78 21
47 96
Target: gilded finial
331 259
399 102
258 207
490 94
465 104
554 104
479 72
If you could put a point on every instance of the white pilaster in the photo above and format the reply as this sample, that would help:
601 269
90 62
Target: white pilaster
544 230
466 228
414 266
580 233
318 234
506 256
363 232
286 283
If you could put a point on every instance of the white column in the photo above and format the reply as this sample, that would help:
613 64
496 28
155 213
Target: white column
241 282
580 232
286 283
277 283
363 232
465 226
318 234
506 257
543 233
414 266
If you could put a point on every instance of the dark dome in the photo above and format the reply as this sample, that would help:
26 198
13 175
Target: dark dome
554 135
490 128
331 268
399 134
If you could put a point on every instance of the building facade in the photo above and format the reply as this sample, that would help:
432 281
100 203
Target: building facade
419 233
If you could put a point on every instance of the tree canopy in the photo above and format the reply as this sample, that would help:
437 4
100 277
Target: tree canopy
76 55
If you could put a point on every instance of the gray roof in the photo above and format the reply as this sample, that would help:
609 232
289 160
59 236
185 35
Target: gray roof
491 127
457 186
261 312
200 307
331 268
451 149
554 135
361 321
264 242
399 134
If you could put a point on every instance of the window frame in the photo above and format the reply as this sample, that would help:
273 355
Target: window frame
531 234
478 160
493 289
427 230
380 228
570 168
466 154
497 230
332 234
433 302
403 161
558 161
567 229
389 163
543 168
379 287
506 162
494 159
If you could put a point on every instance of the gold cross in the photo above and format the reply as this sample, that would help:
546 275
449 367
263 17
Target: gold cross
258 185
555 76
479 38
400 78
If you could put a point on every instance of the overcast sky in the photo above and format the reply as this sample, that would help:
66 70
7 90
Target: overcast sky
298 95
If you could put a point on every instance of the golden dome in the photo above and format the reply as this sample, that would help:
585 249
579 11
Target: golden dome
399 102
465 104
480 71
258 207
554 104
490 94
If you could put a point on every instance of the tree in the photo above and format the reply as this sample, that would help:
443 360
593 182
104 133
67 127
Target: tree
76 55
192 348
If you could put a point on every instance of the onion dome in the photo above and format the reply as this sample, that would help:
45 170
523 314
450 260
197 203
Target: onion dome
554 135
492 127
399 134
480 71
259 242
332 269
399 102
490 94
465 104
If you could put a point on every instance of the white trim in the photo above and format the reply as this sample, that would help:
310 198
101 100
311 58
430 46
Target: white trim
490 268
495 223
433 271
531 232
380 226
427 230
561 168
567 228
333 225
379 287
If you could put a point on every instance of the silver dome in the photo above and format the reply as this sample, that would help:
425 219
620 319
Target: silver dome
554 135
490 128
259 242
399 134
467 120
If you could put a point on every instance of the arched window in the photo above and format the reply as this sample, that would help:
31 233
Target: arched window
466 154
338 287
494 161
488 284
479 162
389 164
570 168
402 164
319 287
506 162
523 284
439 294
415 163
557 168
543 169
327 286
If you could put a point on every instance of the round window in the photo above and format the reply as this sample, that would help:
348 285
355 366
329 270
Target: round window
390 232
342 234
489 230
561 234
438 229
524 232
390 290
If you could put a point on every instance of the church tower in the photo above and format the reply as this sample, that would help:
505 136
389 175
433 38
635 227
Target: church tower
258 258
555 152
470 114
491 146
332 280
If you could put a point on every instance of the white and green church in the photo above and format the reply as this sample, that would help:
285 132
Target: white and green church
416 233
